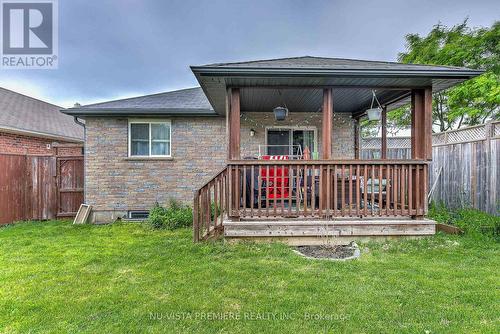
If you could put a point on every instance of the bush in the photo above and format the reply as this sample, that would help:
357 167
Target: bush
173 217
471 221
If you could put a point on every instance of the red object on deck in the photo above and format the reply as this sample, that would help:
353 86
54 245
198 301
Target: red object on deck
281 179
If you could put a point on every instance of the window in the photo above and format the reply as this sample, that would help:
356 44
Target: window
138 215
149 138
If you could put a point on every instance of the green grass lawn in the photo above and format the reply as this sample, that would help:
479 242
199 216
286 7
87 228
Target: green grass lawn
60 278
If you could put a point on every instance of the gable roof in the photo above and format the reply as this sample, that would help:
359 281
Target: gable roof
184 102
23 114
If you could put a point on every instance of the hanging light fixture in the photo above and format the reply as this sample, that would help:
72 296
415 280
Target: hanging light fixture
280 113
374 113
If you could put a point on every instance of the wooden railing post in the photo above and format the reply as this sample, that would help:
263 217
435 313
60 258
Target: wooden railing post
196 221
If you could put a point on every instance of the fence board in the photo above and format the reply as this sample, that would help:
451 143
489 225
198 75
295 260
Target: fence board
70 185
12 188
29 187
470 158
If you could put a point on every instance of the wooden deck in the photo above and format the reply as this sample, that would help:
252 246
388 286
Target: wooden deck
338 231
328 197
314 198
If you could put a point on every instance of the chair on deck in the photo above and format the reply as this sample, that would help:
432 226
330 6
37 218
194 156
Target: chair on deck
281 180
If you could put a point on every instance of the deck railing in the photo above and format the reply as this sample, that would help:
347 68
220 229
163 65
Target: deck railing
318 189
210 206
327 189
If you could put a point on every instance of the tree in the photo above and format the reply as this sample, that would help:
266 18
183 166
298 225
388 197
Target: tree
472 102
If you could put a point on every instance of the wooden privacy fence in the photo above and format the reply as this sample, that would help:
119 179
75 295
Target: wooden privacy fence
39 187
464 167
70 184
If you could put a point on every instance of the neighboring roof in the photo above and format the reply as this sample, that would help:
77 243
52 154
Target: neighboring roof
184 102
23 114
319 72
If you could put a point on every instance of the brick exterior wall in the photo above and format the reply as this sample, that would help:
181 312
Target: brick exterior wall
22 144
115 184
342 132
69 151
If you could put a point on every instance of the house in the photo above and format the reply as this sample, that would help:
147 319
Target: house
31 126
268 148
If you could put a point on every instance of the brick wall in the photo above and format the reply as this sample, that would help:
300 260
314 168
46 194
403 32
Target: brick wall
69 151
115 183
342 132
20 144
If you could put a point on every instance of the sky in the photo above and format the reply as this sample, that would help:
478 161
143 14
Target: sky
111 49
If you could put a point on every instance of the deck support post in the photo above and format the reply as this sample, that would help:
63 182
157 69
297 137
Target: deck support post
233 118
326 143
326 153
421 145
233 133
384 133
356 139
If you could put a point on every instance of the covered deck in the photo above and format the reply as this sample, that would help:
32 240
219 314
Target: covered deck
314 199
317 196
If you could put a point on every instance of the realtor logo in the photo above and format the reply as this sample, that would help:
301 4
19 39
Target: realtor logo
29 34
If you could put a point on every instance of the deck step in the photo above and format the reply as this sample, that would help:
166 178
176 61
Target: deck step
322 228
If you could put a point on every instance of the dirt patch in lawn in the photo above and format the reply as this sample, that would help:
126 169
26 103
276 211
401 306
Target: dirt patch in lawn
329 252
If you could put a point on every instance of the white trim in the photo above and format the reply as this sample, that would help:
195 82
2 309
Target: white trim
294 127
149 122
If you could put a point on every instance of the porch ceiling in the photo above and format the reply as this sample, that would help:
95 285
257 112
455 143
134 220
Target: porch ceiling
351 94
345 100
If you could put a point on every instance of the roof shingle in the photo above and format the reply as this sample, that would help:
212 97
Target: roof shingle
310 62
24 113
189 98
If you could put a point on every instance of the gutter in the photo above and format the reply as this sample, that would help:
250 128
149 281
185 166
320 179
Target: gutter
234 71
142 112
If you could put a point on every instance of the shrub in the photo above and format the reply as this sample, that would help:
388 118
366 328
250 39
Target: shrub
477 222
175 216
472 221
440 213
156 216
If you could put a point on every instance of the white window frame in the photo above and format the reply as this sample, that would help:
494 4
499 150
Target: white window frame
149 122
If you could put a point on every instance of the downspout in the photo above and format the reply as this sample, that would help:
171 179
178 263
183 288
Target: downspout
75 118
79 123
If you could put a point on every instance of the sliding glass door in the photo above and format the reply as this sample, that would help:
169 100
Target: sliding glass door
278 142
290 141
